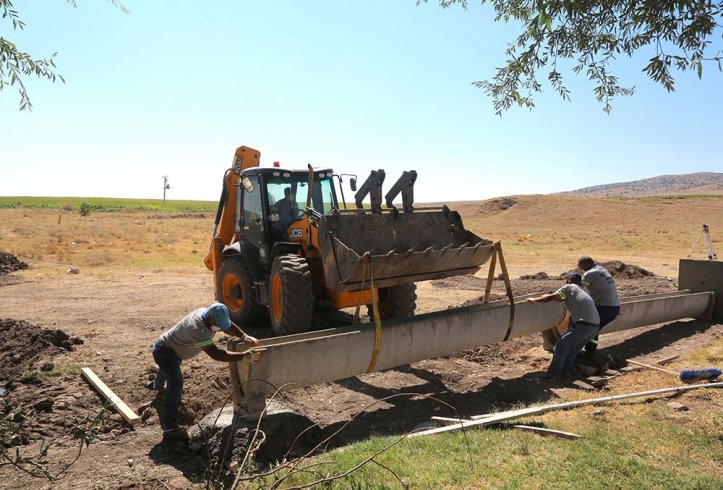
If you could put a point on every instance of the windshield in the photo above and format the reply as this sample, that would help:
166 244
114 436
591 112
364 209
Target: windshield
293 189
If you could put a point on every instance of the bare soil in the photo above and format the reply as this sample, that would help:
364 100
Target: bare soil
108 322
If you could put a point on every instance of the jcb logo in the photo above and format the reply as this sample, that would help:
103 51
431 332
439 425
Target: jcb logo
296 233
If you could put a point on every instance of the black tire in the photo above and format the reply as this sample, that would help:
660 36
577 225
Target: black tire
291 295
396 301
234 288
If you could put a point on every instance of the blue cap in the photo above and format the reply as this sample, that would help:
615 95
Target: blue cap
219 313
574 277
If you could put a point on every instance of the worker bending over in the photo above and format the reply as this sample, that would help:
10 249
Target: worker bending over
600 285
583 327
193 334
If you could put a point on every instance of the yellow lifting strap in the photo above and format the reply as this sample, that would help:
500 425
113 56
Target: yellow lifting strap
497 252
377 322
367 266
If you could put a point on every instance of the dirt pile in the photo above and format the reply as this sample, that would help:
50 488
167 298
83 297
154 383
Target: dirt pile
619 269
631 280
44 392
25 347
9 263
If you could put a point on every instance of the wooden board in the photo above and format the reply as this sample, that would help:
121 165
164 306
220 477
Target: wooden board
115 402
547 432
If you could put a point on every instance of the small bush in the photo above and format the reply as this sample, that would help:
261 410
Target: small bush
84 209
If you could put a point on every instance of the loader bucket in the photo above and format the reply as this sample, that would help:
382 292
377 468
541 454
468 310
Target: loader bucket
404 247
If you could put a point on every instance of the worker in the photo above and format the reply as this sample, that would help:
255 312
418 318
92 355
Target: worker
583 327
601 286
284 212
193 334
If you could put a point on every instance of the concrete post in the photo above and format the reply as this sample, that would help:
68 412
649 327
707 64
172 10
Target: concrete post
703 275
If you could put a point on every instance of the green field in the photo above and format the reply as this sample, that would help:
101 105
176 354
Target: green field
105 204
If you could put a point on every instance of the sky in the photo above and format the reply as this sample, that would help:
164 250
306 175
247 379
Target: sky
174 87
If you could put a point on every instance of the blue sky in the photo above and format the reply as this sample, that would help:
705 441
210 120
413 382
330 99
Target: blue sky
174 87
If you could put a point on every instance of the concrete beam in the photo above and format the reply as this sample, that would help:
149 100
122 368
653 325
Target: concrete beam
339 353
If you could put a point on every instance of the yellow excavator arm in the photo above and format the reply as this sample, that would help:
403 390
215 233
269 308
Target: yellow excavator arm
225 227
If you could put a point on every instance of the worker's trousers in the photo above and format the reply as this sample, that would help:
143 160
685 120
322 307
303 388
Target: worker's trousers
169 371
607 314
569 346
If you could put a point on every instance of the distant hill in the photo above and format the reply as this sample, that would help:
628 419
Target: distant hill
697 183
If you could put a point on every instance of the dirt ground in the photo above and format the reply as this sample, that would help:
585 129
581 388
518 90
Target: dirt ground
51 327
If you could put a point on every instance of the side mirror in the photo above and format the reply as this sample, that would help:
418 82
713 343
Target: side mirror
352 183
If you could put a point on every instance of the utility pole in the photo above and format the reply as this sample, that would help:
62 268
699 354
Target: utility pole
166 186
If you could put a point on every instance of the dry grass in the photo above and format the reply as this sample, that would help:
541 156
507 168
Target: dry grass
553 231
54 239
538 233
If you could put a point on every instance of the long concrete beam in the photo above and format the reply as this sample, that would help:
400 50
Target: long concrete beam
333 354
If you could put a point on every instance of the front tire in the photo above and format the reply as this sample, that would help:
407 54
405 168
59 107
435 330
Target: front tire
291 295
396 301
234 288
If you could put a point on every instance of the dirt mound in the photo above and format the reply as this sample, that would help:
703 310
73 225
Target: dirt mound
24 347
617 269
497 205
538 276
631 280
9 263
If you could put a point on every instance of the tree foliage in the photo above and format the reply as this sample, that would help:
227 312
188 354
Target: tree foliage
16 65
592 34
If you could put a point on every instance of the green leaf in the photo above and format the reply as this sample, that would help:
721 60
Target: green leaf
700 70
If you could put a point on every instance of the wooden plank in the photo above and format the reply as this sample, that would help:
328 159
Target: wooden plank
514 414
666 360
547 432
651 367
115 402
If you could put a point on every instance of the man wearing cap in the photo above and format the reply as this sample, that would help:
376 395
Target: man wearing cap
601 286
193 334
584 325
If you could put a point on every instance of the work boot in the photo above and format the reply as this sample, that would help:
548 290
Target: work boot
152 386
176 434
549 376
589 354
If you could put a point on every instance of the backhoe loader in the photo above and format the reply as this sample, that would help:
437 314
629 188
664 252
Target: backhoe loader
283 244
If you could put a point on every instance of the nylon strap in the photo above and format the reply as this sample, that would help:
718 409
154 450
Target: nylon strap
377 322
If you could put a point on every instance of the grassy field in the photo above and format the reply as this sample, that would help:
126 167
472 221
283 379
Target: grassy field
538 233
637 443
98 204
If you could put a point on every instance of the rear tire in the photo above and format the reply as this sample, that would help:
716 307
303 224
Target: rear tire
234 288
291 295
396 301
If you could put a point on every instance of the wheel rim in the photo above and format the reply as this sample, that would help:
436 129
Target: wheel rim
276 300
232 292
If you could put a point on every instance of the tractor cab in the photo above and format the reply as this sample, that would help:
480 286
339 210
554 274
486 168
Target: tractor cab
271 199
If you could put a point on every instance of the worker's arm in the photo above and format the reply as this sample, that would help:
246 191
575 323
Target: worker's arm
236 331
546 298
225 356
